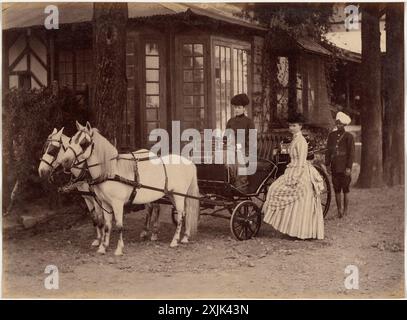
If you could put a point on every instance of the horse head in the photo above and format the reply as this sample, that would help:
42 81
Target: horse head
53 151
80 146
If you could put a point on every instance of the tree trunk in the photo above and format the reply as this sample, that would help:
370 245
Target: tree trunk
393 127
109 52
371 173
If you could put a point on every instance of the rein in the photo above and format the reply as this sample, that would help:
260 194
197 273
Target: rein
134 183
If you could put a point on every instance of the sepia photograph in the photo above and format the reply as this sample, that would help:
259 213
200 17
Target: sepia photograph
203 150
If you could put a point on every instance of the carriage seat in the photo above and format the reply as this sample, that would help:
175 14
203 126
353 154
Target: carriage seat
212 172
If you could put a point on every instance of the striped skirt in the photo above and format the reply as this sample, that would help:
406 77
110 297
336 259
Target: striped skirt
293 206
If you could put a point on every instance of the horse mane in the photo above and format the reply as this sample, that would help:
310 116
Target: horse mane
104 151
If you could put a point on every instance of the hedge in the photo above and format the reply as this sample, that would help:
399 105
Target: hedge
28 118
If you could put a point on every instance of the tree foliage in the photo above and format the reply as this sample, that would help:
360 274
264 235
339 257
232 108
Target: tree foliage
297 19
28 118
286 23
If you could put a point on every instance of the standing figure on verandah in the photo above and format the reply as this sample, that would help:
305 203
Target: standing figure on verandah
293 204
339 158
243 122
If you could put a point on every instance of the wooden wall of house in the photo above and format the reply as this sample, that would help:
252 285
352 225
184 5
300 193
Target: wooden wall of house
26 59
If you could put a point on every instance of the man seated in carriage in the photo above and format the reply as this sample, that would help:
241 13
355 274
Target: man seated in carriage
240 148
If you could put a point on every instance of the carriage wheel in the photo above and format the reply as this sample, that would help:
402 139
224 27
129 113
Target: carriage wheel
326 195
246 220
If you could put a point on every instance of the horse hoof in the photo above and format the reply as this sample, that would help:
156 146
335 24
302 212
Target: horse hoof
101 250
118 252
174 244
184 240
95 243
154 237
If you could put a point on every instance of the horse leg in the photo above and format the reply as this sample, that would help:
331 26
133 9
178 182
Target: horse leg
99 225
94 217
96 242
91 210
118 215
185 239
107 229
91 204
179 205
146 229
155 221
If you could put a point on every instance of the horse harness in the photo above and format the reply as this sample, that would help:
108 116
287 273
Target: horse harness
136 182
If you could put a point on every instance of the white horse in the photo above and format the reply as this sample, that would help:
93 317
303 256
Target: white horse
178 176
54 148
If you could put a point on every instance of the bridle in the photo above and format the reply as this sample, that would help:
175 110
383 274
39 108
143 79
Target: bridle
49 141
84 147
54 154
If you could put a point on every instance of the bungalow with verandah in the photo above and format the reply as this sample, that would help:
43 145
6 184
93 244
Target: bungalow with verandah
183 62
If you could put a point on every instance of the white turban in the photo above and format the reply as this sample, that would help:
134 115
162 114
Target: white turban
343 118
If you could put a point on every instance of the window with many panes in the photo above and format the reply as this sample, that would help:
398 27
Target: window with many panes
231 67
83 68
65 69
127 126
152 85
193 88
75 68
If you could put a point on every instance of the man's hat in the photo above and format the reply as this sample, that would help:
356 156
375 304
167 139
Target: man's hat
343 118
240 100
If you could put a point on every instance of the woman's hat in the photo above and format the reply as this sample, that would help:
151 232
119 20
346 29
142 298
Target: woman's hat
296 118
240 100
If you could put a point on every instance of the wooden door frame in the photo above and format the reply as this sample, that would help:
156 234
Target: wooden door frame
179 41
161 41
234 44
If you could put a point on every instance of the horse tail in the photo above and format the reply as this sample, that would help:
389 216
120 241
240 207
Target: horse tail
192 207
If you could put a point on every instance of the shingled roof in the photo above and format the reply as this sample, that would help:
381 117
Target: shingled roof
19 15
24 15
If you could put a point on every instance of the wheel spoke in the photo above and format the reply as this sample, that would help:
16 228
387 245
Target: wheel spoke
240 234
238 227
248 232
240 219
249 226
245 221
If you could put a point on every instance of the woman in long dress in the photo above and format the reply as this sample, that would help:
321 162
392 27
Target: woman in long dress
293 204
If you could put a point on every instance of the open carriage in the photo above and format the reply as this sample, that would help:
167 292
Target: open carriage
219 197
